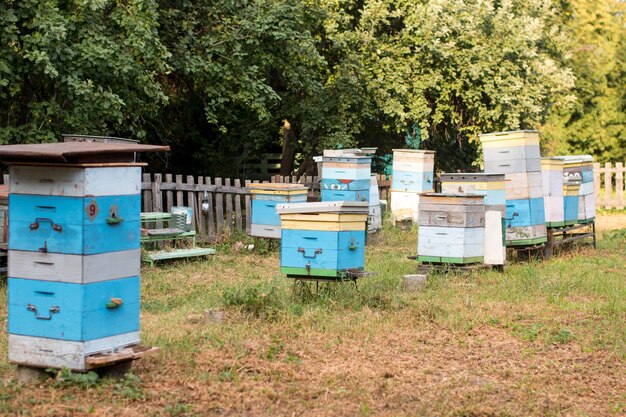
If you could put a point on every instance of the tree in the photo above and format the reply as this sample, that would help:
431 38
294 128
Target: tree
595 122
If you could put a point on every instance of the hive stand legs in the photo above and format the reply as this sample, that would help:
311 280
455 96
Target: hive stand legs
31 375
115 371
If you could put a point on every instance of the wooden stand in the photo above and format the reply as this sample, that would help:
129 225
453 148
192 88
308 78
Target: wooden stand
301 281
561 235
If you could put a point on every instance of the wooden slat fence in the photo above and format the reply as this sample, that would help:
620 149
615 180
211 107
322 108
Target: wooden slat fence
609 185
228 199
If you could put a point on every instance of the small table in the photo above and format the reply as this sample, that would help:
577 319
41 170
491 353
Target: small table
168 234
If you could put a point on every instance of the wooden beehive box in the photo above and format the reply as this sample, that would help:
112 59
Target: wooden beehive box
322 240
451 228
412 170
580 168
346 178
552 180
492 187
265 197
517 155
74 251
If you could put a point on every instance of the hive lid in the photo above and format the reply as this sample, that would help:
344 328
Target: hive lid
76 152
277 188
354 207
511 135
453 198
416 151
473 177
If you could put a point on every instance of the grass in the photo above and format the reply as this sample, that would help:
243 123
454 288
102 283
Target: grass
542 338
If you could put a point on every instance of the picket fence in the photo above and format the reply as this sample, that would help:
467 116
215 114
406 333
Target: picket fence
610 192
229 201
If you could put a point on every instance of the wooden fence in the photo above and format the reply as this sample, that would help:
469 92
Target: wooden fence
229 201
610 192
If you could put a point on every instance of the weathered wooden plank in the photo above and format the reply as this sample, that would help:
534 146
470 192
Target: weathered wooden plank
229 207
619 184
157 197
596 179
608 185
219 208
238 218
197 201
210 216
179 190
5 178
197 187
190 201
147 194
248 202
169 195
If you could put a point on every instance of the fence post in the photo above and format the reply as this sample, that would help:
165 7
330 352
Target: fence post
210 215
608 185
619 184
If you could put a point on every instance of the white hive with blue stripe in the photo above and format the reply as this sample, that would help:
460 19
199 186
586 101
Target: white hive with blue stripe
265 197
412 176
74 251
516 154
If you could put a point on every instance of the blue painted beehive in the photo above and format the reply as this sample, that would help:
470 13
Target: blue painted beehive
346 178
74 252
516 154
265 198
322 240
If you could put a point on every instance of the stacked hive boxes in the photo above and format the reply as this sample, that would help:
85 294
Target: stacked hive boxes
74 260
346 178
492 187
412 176
265 220
516 154
553 187
580 168
322 240
451 228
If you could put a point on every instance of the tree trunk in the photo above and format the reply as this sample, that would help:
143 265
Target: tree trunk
289 149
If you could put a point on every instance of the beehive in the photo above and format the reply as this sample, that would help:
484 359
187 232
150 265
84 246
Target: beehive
374 220
492 187
412 175
346 178
451 228
74 252
580 168
516 154
325 240
265 197
552 180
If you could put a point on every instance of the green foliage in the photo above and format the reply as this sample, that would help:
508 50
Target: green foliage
595 122
217 79
260 300
130 386
67 378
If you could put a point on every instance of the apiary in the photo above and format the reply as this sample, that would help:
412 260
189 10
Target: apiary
346 178
516 154
265 197
451 228
492 187
322 240
74 253
553 186
412 175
